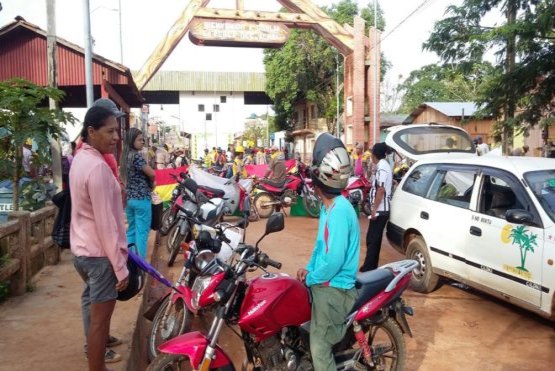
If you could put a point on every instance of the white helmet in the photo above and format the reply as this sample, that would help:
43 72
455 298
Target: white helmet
331 165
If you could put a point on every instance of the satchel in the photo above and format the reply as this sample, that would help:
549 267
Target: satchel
62 224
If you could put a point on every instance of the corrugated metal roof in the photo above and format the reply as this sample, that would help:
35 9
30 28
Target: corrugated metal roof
206 81
454 109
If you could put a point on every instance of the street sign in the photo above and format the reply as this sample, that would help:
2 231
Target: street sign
217 32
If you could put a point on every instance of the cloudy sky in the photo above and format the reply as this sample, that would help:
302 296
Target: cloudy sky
145 22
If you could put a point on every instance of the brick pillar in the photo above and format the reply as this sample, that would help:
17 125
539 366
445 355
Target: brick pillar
358 76
371 80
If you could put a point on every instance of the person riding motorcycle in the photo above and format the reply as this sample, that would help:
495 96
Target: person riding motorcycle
331 271
238 166
276 173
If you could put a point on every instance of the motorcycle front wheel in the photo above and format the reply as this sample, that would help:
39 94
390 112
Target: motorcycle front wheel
170 362
311 202
387 344
264 204
168 219
178 321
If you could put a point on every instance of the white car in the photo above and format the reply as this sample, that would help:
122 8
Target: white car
486 221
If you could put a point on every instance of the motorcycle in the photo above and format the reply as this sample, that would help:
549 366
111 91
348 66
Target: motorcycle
170 316
277 337
269 197
194 202
358 193
169 216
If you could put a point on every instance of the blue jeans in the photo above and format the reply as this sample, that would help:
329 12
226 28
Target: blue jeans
139 216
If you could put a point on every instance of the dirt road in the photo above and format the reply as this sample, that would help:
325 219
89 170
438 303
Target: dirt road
454 328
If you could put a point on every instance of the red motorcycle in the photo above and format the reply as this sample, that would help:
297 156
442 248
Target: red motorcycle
358 193
273 314
269 198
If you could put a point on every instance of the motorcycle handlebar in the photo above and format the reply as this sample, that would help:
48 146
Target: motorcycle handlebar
265 260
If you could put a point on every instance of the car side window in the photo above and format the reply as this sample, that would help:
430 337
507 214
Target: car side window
497 196
453 187
418 181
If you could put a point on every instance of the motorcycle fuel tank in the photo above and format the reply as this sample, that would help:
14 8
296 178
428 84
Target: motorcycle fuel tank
273 301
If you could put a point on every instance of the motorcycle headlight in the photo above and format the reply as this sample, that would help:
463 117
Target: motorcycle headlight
200 284
203 258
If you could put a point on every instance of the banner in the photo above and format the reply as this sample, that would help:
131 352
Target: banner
165 183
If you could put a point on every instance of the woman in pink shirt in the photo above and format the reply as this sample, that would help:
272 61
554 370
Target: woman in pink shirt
97 235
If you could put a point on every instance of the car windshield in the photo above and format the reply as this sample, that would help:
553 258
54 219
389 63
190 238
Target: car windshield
429 139
542 184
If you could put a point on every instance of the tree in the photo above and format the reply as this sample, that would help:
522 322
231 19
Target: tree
304 69
24 115
253 133
521 92
449 83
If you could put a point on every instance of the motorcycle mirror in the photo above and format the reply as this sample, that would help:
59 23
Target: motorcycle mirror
183 175
275 223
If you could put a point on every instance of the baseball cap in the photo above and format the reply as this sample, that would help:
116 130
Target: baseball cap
109 105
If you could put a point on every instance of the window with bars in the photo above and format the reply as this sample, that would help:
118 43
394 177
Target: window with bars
208 117
201 107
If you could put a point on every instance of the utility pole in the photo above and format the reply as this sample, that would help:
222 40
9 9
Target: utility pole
510 105
88 54
337 95
53 82
376 74
120 35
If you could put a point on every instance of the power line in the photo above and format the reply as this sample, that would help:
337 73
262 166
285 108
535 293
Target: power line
418 8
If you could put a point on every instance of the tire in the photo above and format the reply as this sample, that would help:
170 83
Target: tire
170 362
175 241
171 235
259 200
179 321
253 213
423 279
366 207
168 219
388 345
311 203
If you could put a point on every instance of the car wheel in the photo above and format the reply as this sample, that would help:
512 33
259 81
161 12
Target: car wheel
423 278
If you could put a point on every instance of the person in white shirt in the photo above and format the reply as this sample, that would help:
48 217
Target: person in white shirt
481 147
380 199
27 155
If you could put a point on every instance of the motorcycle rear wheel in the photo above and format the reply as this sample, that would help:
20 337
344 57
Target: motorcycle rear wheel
179 321
260 202
388 346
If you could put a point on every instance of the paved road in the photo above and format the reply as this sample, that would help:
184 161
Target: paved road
454 328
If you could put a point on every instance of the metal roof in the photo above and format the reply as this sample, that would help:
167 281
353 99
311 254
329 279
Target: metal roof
206 81
454 109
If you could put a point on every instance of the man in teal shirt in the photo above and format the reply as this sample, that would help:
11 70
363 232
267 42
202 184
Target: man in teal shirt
331 271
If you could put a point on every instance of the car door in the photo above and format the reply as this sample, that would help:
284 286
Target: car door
448 208
500 255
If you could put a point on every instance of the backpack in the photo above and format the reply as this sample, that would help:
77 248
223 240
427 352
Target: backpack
60 230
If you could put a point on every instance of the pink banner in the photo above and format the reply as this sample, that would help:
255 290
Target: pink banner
260 170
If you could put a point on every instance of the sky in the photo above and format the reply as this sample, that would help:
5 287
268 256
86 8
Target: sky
145 22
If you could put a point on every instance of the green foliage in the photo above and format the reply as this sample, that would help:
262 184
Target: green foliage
253 133
521 92
450 83
24 114
304 69
4 259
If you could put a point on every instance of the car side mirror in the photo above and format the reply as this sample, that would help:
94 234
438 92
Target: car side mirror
519 216
275 223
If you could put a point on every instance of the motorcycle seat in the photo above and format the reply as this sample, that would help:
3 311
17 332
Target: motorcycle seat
211 192
369 284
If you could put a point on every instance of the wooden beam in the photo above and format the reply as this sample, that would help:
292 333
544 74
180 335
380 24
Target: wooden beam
113 95
289 19
169 42
330 30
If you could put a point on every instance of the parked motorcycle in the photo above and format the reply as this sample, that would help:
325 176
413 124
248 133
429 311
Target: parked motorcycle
195 203
170 316
358 193
277 337
269 198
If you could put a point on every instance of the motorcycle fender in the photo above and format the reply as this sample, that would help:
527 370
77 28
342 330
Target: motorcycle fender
193 345
186 295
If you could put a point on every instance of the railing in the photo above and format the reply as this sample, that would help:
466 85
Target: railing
26 246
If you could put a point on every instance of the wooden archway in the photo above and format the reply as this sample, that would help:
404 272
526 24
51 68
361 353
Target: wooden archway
351 42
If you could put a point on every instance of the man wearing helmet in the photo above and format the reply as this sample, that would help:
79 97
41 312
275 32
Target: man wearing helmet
238 167
380 199
331 271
